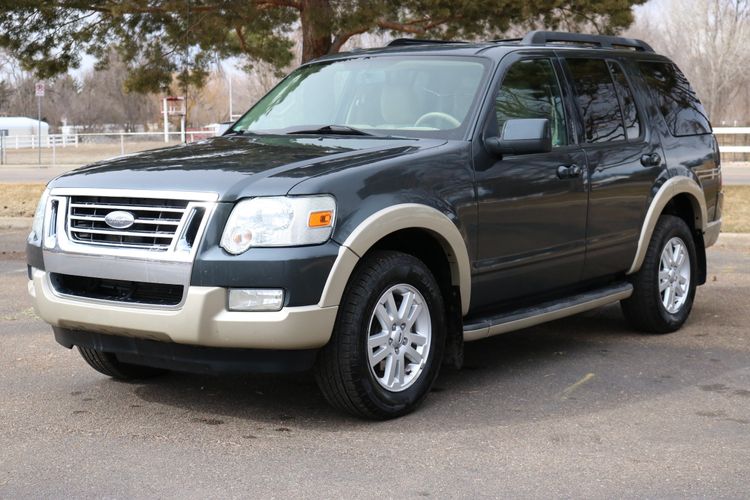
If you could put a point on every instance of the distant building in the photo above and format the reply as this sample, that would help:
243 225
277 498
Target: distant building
25 130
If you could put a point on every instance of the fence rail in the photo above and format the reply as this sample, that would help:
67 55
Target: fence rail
65 140
738 144
734 143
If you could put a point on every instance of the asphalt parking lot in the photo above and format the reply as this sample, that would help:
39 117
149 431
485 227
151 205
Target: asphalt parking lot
582 407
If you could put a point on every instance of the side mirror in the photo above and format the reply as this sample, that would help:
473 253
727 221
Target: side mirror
521 137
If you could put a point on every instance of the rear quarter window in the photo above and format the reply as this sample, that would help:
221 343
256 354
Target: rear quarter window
675 98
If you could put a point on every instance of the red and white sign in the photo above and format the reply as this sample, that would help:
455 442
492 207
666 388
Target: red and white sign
39 88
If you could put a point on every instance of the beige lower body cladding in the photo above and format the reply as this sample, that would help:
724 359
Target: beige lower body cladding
203 320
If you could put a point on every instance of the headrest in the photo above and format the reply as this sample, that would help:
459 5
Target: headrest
397 105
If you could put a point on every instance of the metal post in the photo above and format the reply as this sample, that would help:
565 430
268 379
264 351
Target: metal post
182 128
166 122
230 97
39 125
122 144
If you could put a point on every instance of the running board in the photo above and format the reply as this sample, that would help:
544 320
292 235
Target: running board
488 326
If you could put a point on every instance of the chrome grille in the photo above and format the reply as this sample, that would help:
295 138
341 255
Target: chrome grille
156 224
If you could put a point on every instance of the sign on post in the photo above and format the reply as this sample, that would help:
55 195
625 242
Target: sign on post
174 106
39 90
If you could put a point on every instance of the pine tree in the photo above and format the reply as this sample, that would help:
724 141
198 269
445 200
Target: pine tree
158 38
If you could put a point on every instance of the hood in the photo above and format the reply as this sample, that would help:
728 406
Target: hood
239 166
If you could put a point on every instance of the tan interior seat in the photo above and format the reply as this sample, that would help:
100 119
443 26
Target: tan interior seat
398 105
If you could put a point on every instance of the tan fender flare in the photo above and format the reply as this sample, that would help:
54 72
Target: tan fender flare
673 187
387 221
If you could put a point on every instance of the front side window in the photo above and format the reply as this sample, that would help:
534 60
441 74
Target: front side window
597 100
412 96
530 90
676 99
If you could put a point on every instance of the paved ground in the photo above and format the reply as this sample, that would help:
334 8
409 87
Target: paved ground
733 173
581 407
739 174
32 174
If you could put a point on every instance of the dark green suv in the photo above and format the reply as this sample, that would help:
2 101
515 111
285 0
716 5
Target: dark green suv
379 208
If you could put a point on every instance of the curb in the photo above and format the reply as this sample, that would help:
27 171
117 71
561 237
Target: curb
25 223
725 237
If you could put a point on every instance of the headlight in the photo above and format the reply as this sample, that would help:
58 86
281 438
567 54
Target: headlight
37 226
279 221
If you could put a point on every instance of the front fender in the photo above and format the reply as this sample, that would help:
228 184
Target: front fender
387 221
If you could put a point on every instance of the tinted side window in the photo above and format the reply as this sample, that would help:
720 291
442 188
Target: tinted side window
597 99
530 90
627 103
677 101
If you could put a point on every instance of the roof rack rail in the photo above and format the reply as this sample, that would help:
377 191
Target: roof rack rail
603 41
507 40
399 42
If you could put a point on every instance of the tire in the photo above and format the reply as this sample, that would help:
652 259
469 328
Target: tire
360 370
651 309
108 364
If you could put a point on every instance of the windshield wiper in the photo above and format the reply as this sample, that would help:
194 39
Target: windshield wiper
239 132
332 130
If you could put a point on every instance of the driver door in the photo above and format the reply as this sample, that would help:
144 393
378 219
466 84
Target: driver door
531 208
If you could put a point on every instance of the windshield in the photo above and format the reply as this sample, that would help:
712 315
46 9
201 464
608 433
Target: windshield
407 96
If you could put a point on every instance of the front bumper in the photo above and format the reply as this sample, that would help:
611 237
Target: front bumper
202 319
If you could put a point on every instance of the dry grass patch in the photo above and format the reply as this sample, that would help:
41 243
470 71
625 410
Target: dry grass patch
19 200
736 216
81 154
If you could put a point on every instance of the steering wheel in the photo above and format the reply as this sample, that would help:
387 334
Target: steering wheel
438 116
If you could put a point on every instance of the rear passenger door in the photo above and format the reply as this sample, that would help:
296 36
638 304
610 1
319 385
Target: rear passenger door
624 159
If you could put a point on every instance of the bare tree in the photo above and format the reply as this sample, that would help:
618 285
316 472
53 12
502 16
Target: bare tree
104 102
708 39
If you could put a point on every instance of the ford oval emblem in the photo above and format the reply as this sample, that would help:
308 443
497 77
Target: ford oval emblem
119 219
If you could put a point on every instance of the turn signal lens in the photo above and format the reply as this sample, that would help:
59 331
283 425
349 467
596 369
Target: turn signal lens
324 218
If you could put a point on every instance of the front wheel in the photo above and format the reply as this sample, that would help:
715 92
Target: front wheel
664 288
387 344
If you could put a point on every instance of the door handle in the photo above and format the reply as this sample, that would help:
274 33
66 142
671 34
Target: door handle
652 160
569 171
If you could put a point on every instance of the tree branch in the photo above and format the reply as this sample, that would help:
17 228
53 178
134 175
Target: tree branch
340 39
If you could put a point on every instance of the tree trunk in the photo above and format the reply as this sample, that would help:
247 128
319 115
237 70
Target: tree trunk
316 17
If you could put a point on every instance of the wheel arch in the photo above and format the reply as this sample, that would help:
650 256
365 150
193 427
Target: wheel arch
386 224
681 196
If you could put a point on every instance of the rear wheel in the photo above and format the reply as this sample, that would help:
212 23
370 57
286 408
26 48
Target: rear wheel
108 364
388 340
664 288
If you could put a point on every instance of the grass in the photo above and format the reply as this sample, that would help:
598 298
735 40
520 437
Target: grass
736 216
19 200
81 154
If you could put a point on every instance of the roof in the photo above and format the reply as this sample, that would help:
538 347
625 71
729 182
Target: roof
8 122
533 39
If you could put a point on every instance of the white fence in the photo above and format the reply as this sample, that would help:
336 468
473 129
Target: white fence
73 140
733 131
730 140
32 141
